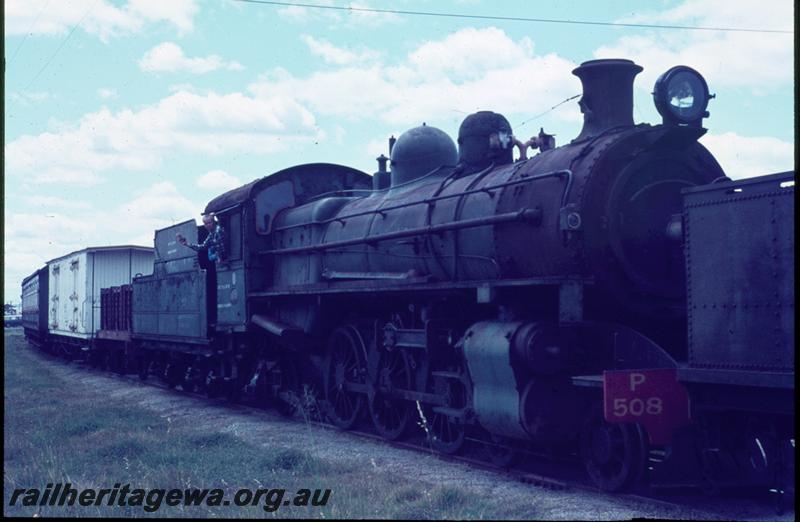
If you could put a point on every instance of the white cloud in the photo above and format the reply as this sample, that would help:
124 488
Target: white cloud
337 55
162 202
724 58
745 157
52 224
737 14
218 180
169 57
469 53
75 175
34 237
460 73
183 122
180 13
28 98
375 147
188 87
97 17
50 202
106 93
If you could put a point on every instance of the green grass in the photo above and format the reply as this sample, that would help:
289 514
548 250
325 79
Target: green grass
58 431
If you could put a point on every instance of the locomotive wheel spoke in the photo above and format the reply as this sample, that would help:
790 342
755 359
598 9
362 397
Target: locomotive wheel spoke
344 365
390 416
446 435
614 454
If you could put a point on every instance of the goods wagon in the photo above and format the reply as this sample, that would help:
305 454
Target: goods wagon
34 306
74 289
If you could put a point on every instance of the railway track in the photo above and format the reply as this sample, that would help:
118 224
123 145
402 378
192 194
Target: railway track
539 470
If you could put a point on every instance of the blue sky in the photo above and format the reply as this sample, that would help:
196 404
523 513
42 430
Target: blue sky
126 116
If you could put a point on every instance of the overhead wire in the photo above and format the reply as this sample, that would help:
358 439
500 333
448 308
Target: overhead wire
511 18
548 110
28 32
64 41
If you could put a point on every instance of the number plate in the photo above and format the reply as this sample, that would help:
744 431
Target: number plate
653 398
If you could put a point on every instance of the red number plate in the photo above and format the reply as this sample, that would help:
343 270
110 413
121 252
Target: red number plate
653 398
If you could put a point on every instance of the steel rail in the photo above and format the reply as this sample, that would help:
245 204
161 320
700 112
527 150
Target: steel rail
544 479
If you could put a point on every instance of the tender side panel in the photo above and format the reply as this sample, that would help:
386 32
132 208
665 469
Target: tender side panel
740 273
169 250
171 306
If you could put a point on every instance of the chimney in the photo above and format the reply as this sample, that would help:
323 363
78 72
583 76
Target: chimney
607 99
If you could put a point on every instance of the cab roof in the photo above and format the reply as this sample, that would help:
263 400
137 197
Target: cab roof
309 180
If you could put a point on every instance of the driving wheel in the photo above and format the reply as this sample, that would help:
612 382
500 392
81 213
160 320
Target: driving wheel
446 432
614 455
391 414
344 377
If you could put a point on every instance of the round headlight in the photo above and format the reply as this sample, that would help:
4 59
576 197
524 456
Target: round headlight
681 95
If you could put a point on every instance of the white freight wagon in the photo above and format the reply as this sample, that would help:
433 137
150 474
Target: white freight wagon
75 281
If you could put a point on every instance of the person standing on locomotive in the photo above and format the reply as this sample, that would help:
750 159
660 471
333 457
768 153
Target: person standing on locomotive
214 245
214 242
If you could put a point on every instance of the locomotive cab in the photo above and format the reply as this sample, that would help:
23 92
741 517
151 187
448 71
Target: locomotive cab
225 278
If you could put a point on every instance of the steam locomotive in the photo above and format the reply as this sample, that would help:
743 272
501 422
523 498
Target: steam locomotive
617 298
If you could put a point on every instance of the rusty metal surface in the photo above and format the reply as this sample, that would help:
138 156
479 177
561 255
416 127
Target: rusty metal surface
421 229
524 214
309 180
301 226
607 99
411 284
740 272
116 308
114 335
580 194
170 307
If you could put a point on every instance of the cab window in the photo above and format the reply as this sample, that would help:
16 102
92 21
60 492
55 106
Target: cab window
232 223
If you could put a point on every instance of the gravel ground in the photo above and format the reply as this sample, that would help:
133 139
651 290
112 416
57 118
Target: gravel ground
266 429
